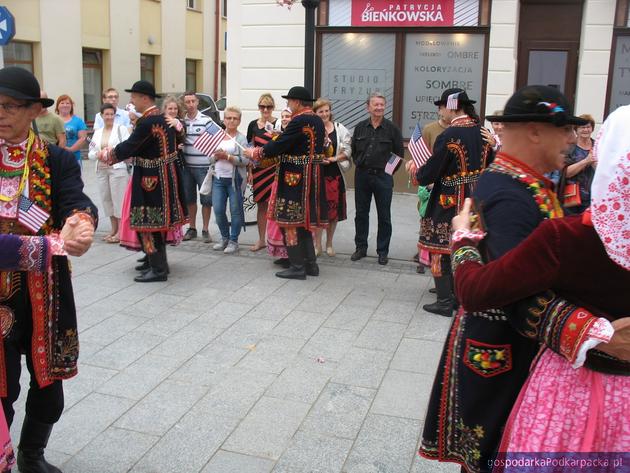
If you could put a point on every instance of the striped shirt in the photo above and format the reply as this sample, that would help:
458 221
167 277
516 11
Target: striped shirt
194 127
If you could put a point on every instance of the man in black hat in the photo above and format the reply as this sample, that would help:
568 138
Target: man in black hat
373 142
156 189
298 203
459 155
485 360
40 188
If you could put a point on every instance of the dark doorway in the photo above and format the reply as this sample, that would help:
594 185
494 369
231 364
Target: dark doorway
549 44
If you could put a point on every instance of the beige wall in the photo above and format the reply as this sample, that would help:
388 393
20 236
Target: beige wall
28 28
62 65
95 20
173 45
124 57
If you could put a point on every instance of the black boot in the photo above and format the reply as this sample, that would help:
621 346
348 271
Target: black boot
143 259
283 262
444 304
158 270
310 258
296 271
33 441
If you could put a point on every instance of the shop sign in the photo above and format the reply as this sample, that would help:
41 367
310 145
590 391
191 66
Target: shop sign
436 62
403 13
620 90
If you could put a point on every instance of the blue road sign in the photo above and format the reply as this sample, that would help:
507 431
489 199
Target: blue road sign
7 26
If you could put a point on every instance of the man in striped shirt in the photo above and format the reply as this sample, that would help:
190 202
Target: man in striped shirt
195 169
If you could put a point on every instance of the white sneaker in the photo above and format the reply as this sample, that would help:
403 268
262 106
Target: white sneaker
232 247
220 246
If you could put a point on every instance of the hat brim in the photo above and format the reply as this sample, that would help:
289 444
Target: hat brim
298 98
144 92
20 96
437 103
523 118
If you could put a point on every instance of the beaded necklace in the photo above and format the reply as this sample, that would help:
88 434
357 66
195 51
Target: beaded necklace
539 186
24 172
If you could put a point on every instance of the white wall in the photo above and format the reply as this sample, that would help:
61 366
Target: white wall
502 54
265 54
595 46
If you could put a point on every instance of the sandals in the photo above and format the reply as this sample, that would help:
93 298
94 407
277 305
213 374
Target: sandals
112 239
257 247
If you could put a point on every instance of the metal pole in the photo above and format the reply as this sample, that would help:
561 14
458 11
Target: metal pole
309 43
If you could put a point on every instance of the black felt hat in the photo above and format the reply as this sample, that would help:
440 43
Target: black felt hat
538 103
144 87
299 93
462 97
21 84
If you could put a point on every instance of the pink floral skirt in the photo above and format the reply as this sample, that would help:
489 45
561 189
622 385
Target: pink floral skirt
562 409
129 238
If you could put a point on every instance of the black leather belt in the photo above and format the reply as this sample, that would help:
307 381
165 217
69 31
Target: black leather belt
374 171
604 363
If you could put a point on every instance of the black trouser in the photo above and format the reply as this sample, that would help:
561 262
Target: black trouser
154 245
42 404
368 182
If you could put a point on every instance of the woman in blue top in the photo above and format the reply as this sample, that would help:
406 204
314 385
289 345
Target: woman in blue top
76 131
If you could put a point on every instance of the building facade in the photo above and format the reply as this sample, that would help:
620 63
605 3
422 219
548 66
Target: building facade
80 47
411 50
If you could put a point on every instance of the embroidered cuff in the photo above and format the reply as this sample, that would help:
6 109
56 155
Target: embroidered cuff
471 235
34 254
257 155
564 327
600 332
57 245
463 254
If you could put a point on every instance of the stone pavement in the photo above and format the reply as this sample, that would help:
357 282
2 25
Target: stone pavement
226 368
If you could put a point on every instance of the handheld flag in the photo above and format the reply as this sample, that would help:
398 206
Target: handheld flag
31 215
392 164
452 103
418 148
209 140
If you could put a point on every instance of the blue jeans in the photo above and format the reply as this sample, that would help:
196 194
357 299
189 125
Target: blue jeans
192 178
223 189
368 183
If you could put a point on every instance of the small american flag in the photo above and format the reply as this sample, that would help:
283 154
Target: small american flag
418 148
452 102
209 140
92 146
392 163
30 215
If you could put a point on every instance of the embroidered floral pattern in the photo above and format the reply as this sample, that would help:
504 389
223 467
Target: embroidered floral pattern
487 360
540 187
292 179
469 438
149 183
463 254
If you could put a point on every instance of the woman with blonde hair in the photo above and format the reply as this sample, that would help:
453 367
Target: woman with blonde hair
260 133
333 170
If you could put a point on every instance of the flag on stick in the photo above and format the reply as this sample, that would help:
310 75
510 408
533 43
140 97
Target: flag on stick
452 103
392 163
418 148
209 140
31 215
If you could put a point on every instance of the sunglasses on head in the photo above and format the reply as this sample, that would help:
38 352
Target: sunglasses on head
265 107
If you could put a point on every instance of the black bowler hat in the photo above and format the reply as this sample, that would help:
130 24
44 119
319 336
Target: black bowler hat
21 84
538 103
299 93
144 87
459 95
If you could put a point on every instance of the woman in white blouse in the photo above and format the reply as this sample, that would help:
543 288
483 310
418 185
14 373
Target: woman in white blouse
112 180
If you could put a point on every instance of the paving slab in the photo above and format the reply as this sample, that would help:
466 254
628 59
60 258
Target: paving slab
310 452
385 444
339 411
230 462
268 428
